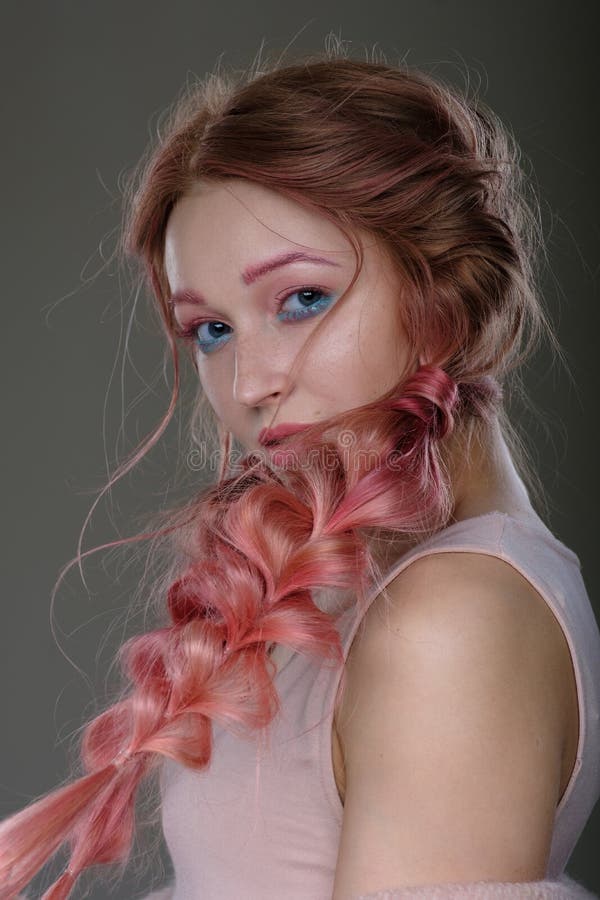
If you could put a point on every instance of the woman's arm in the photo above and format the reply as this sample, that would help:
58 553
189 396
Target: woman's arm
451 733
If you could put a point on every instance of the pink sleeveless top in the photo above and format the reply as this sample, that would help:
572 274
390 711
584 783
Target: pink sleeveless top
271 831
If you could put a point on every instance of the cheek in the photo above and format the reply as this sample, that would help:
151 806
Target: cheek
334 366
382 353
384 342
213 384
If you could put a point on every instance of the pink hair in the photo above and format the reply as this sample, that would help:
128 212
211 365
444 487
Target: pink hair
435 179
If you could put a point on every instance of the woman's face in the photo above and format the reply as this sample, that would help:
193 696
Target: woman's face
249 317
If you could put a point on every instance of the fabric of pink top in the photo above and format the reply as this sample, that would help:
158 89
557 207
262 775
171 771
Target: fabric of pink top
239 830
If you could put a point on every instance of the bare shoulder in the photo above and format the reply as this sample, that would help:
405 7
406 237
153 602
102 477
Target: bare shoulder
462 602
452 727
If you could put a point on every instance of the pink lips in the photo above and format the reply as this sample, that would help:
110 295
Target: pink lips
268 435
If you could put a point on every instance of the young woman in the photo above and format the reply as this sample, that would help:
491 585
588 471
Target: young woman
376 671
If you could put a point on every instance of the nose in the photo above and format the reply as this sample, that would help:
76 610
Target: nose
259 376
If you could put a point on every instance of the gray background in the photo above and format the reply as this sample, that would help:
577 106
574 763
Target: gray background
82 86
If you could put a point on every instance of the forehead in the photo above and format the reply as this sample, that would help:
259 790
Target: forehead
215 220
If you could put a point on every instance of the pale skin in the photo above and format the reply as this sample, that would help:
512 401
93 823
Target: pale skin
438 782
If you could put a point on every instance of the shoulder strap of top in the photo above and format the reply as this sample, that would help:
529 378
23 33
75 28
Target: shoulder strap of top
479 534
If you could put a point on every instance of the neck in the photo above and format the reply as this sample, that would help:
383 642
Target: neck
483 478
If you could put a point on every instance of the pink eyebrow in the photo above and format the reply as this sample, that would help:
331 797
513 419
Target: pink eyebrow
253 272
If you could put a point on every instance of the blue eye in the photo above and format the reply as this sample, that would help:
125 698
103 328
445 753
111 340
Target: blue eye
214 329
311 309
216 333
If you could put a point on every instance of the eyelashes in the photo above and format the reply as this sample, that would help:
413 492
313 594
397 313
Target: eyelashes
207 342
